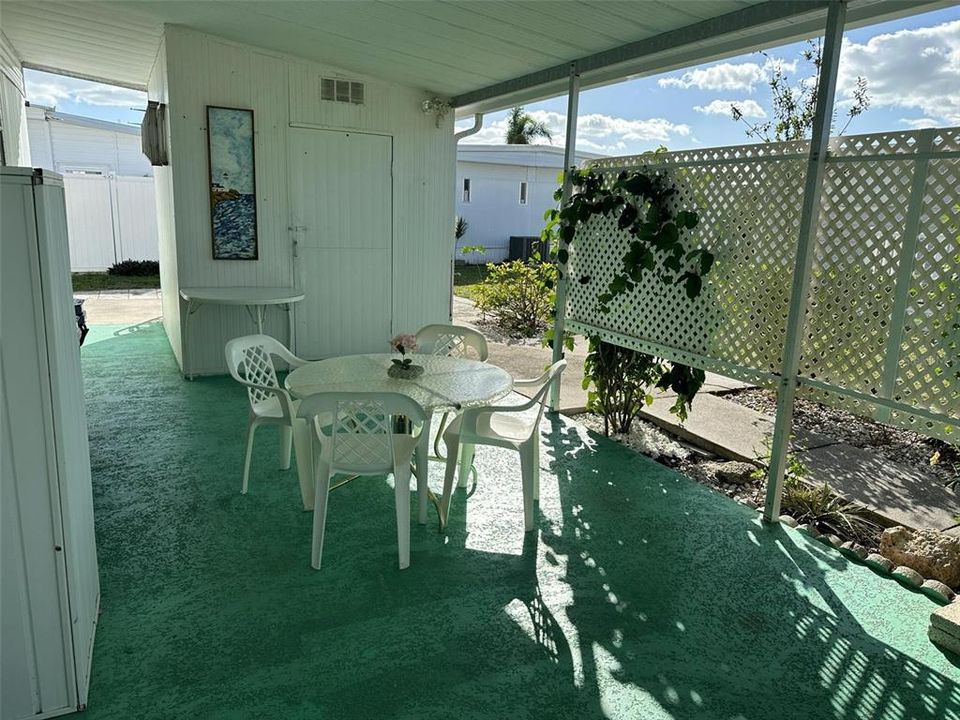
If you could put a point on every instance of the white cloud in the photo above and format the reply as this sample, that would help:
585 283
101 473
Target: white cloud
919 123
728 76
595 132
917 69
47 89
749 108
725 76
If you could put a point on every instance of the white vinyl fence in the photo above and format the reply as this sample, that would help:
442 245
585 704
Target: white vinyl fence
110 219
882 326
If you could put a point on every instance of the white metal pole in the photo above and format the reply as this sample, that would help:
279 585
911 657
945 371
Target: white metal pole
908 252
569 163
816 164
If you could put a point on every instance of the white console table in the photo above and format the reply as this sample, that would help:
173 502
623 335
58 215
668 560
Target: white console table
254 299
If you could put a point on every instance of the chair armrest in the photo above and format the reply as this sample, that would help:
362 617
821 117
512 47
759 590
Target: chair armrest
532 382
289 358
470 416
286 403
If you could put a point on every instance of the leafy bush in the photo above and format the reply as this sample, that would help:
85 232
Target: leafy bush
135 267
621 380
518 296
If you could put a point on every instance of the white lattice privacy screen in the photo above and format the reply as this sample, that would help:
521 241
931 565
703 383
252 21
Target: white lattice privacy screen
884 299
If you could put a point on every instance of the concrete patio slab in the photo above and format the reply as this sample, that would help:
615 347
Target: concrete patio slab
724 427
898 492
640 593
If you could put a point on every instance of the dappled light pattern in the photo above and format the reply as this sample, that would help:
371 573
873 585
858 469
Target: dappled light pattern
640 594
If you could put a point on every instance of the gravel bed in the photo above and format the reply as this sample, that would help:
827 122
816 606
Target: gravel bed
647 438
894 444
697 465
494 333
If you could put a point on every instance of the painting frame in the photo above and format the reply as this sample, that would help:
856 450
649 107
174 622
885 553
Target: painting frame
232 183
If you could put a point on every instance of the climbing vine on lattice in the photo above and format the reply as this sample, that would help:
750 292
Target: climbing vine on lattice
643 205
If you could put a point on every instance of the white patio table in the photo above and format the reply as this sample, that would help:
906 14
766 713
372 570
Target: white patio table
254 299
446 384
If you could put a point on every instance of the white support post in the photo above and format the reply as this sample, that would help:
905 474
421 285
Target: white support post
816 164
908 253
569 163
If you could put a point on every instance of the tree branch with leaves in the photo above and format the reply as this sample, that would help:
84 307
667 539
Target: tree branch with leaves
794 106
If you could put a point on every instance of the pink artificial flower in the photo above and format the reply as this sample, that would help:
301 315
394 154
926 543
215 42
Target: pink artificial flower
404 343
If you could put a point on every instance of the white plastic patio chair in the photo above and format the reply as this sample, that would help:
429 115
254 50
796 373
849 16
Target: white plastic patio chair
509 427
369 434
250 360
450 341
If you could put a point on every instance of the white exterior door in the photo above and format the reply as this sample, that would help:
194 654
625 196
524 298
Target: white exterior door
341 198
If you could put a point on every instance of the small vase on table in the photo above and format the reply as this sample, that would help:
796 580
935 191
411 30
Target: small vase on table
403 368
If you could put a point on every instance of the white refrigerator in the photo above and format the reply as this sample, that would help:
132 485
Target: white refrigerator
49 589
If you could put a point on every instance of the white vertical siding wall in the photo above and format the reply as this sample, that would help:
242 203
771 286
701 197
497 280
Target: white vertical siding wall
135 209
61 145
205 70
157 89
494 212
90 220
13 116
110 219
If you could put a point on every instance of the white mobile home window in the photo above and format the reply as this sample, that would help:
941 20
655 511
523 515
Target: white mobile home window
523 193
466 190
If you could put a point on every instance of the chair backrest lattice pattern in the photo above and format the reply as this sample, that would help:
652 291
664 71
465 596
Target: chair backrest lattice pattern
258 369
362 435
452 341
880 335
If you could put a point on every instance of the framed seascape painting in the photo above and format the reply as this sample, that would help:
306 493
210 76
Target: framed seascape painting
233 195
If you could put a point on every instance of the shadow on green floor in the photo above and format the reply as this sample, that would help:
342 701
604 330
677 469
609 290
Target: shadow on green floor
640 595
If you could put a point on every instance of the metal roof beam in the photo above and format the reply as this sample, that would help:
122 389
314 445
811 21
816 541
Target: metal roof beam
775 22
737 21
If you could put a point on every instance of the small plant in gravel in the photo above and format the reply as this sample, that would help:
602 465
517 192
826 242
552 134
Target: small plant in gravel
949 457
518 296
820 506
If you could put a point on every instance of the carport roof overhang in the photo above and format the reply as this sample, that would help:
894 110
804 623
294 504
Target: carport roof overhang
483 55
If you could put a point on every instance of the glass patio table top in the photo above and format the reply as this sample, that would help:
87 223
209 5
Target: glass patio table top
447 383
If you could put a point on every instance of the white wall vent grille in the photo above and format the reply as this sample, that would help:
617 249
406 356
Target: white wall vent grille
346 91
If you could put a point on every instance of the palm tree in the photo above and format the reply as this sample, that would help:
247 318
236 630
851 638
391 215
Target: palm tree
521 128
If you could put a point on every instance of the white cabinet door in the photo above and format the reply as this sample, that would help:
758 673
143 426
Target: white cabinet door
341 196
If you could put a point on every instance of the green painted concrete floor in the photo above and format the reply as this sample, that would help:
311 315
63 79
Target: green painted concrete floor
640 595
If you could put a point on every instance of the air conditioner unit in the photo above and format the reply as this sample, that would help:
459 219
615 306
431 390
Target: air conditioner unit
153 133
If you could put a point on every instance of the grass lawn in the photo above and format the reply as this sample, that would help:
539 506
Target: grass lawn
103 281
466 278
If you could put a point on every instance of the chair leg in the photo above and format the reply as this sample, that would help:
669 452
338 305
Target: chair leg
251 429
467 451
535 452
322 491
453 449
286 445
401 483
528 465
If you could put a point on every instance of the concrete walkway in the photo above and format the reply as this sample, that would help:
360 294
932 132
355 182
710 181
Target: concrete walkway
898 492
121 307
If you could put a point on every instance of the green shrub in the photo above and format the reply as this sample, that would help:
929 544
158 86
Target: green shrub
137 268
518 296
619 381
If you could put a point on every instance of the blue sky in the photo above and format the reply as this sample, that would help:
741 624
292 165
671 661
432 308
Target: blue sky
912 68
